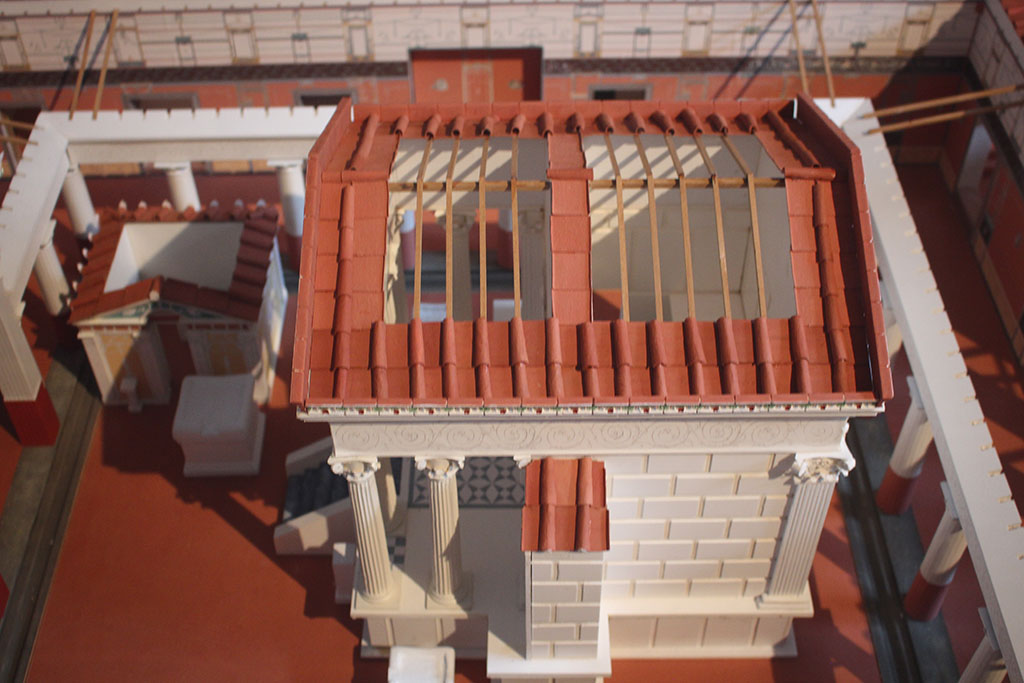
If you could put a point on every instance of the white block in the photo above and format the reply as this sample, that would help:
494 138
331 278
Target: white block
620 551
632 570
772 630
218 426
623 508
677 464
542 570
545 592
553 632
579 571
729 631
774 506
763 484
763 548
754 587
679 631
704 484
716 588
723 550
588 632
577 614
758 527
415 631
736 462
662 589
576 650
421 665
640 485
636 530
696 528
694 569
617 589
670 508
541 650
542 614
746 569
731 506
591 592
623 464
631 632
665 550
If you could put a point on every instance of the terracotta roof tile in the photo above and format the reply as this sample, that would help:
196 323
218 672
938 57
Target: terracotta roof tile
564 507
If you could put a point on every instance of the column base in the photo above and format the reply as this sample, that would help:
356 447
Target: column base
361 600
895 493
35 422
463 598
796 605
924 600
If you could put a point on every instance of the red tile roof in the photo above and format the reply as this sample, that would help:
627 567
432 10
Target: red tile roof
832 351
564 507
243 298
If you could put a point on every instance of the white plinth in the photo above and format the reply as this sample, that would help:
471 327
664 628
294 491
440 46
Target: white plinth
218 426
421 665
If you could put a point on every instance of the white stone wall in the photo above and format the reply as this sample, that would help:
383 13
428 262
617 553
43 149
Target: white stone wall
268 33
565 594
694 525
997 55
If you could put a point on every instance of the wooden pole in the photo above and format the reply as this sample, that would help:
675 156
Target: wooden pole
82 66
103 69
939 101
449 246
824 53
939 118
598 184
620 212
516 283
652 214
16 124
754 227
482 246
418 274
685 216
799 51
719 227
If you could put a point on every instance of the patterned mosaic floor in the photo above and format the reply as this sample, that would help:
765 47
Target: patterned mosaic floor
483 482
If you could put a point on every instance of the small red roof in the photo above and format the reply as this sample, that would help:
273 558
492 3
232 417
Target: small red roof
243 298
832 351
564 507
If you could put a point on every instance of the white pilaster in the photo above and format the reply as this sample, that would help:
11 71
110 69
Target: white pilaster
84 219
52 283
291 184
184 192
378 580
447 583
987 664
914 439
816 476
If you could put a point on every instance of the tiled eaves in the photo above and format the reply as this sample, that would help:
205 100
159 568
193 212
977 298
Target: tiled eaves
346 356
244 296
564 506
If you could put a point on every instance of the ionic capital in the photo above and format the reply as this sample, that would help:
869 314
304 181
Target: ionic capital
354 469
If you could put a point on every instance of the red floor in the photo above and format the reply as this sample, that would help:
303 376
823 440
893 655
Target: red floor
163 578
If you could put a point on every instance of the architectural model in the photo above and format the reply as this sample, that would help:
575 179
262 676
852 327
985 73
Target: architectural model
675 374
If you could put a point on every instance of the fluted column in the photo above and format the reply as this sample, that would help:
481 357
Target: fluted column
816 476
378 580
84 219
182 183
50 275
447 583
987 664
926 594
907 459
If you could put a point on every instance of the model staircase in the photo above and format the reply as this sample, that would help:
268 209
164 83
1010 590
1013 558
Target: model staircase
311 490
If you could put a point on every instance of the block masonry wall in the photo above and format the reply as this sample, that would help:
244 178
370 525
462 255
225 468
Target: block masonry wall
565 599
694 525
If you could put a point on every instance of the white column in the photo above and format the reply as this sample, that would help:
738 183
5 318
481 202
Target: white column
183 184
291 184
462 278
84 219
19 375
928 591
987 664
816 476
52 283
914 439
378 580
447 583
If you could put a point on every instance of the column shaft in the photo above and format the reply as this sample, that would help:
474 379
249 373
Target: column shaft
987 664
926 595
84 219
446 580
799 542
292 187
50 275
897 488
378 582
182 184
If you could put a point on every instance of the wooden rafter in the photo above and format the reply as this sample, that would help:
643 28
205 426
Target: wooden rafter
719 227
799 50
824 53
106 63
516 283
940 118
82 66
754 227
623 260
597 184
482 247
418 274
939 101
449 238
652 214
684 209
